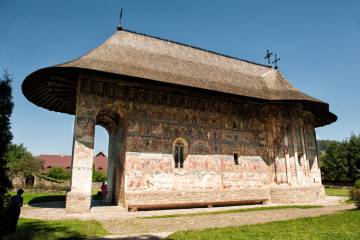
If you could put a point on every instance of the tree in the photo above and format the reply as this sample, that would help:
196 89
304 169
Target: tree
98 176
322 145
340 161
21 162
334 163
6 107
353 150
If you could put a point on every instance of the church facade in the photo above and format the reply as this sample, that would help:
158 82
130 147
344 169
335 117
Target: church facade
187 127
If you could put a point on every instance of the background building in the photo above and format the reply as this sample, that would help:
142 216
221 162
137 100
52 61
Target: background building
64 161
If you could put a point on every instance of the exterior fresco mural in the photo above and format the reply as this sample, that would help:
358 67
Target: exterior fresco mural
270 146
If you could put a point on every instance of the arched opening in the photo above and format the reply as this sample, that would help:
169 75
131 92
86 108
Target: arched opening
29 180
100 160
108 159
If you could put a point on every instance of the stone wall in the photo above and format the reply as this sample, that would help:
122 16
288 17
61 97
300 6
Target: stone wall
297 194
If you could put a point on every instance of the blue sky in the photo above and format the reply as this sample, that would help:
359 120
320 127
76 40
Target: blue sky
318 43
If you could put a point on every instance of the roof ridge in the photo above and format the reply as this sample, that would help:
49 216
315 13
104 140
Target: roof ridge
194 47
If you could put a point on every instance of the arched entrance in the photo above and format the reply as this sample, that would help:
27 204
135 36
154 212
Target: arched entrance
100 164
112 122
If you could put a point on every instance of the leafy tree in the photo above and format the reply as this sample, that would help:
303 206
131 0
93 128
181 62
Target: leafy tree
6 107
98 176
334 163
353 157
323 144
21 162
59 173
340 161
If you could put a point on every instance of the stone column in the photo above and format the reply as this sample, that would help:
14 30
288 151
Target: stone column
78 200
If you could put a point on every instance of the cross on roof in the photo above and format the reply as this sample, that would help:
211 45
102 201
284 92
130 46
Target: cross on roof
275 61
268 55
119 27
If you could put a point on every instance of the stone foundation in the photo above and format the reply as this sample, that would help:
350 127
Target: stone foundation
169 199
297 194
77 203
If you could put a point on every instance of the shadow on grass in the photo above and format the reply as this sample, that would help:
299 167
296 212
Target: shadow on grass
53 201
40 230
49 198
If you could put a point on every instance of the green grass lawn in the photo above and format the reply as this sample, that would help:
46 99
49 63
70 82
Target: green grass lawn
232 211
62 229
34 197
344 225
332 191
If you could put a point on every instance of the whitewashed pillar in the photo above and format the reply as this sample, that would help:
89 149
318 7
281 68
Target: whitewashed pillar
79 197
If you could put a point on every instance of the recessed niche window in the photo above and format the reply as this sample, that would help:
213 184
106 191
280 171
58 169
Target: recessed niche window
236 159
179 155
300 156
180 151
234 125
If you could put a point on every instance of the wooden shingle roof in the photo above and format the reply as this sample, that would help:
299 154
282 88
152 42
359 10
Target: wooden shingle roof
127 53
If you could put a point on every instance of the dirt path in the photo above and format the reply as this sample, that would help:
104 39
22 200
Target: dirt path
138 226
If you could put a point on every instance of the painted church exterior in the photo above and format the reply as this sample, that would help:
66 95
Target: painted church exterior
187 127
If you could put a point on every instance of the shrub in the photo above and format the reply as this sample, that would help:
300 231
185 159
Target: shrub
355 196
98 176
47 178
59 173
357 183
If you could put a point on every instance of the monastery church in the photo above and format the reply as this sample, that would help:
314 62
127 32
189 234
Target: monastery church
187 127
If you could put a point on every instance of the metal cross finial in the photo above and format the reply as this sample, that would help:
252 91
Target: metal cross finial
120 20
275 61
268 55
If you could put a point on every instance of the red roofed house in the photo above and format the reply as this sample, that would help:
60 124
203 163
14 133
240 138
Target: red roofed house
64 161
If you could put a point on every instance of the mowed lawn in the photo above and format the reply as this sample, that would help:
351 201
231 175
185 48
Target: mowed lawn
62 229
333 191
34 197
343 225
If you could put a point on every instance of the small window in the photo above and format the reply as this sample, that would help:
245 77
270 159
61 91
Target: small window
48 167
179 155
67 167
300 156
234 125
236 159
100 168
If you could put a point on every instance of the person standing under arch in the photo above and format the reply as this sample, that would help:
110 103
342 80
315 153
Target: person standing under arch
104 191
